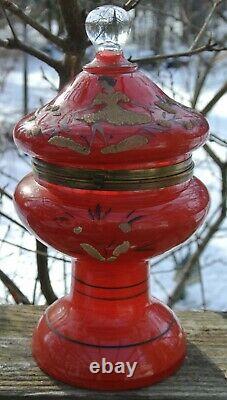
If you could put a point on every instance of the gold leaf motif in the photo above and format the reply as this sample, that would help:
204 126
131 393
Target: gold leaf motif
55 108
122 248
125 227
164 123
35 130
114 113
188 124
133 142
92 251
61 141
48 107
111 259
32 118
166 107
78 230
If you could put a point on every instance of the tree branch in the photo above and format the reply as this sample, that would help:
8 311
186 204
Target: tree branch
9 22
15 292
33 251
4 193
193 259
15 43
201 247
205 25
74 19
43 273
15 10
13 221
217 139
207 47
215 99
44 76
201 79
215 226
214 157
130 4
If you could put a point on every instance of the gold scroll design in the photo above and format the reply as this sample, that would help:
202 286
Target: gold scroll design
113 113
93 252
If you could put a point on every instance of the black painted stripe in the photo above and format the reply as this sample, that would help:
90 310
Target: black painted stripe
69 339
109 288
111 298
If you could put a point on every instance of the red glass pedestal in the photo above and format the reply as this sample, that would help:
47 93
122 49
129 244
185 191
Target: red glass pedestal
109 317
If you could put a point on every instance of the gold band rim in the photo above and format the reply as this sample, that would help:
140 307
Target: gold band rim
114 179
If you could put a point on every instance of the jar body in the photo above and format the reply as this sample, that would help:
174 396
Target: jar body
90 223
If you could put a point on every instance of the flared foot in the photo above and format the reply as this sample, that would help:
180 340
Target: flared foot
86 346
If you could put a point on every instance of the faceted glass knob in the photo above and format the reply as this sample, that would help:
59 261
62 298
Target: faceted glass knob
108 27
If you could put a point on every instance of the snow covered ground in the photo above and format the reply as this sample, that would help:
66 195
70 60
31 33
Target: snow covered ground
20 264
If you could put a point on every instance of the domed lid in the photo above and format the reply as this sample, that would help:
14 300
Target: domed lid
111 117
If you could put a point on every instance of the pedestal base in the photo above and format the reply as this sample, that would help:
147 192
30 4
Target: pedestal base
68 341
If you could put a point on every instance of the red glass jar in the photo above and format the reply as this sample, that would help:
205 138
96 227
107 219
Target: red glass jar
112 186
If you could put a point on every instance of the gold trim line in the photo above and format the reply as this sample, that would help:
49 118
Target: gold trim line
139 179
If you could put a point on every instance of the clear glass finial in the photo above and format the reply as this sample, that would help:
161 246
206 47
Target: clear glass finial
108 27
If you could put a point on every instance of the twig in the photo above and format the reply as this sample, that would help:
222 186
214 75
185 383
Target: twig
160 284
209 220
211 232
4 193
193 259
13 43
43 273
5 236
34 290
15 10
15 292
13 220
33 251
207 47
215 99
64 275
200 81
9 22
8 176
52 85
222 16
16 43
212 154
203 296
183 19
155 264
206 22
130 4
218 140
